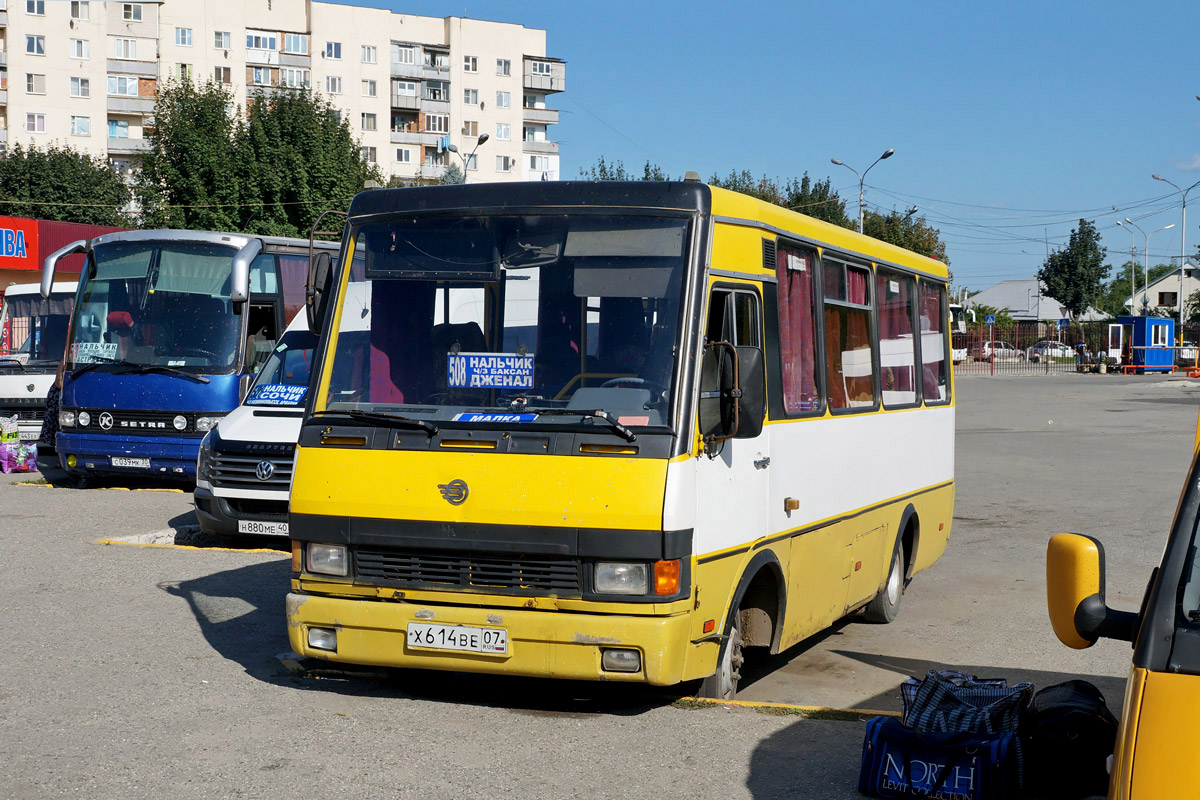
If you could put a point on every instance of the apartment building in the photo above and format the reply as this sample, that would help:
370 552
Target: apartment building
86 74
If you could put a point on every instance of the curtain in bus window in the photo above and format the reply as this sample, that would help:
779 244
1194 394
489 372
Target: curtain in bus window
933 343
193 271
401 365
897 346
856 286
797 330
848 370
293 272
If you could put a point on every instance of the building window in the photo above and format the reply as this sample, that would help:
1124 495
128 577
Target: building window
125 49
503 130
437 60
368 155
404 89
81 126
131 12
504 164
295 43
1168 298
118 129
503 100
35 45
35 84
35 123
368 122
369 54
37 7
333 50
436 90
294 78
368 88
260 76
437 123
80 10
539 163
404 55
183 37
122 86
503 66
222 40
257 40
333 84
531 101
81 87
80 48
540 67
470 64
470 128
470 96
403 155
222 75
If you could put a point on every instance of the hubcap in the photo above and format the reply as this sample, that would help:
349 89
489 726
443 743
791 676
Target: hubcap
893 584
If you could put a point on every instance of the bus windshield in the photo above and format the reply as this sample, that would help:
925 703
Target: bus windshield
33 328
158 303
492 318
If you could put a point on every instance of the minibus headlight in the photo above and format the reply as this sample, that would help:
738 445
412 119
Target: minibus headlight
328 559
204 424
204 459
84 418
66 419
618 578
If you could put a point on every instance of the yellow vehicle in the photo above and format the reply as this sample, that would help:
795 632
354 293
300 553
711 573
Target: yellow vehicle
1154 755
613 431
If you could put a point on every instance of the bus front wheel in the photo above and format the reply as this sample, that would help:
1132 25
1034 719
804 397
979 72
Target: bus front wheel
886 605
723 684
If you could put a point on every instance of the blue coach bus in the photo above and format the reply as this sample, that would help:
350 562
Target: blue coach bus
168 330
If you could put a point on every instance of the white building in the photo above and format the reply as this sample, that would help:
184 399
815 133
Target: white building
85 74
1162 296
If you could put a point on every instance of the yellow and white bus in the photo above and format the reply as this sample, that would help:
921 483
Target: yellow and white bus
613 431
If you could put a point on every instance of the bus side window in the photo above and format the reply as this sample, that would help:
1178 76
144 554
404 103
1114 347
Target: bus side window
733 317
262 324
795 270
933 343
849 344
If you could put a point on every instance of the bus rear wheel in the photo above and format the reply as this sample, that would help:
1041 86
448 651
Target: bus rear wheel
723 684
886 605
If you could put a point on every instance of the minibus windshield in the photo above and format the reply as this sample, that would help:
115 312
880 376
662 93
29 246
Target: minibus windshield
157 303
487 319
283 380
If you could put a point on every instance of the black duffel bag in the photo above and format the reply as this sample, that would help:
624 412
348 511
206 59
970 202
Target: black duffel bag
1069 734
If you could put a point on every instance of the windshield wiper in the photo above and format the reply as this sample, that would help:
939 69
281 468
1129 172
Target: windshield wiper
140 368
620 429
378 418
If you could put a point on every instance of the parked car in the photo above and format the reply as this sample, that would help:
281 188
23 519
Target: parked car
1048 349
994 351
1186 354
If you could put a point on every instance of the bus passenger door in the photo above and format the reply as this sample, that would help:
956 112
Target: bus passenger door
732 485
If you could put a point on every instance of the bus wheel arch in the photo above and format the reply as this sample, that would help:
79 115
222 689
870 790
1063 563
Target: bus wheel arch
885 606
753 618
910 539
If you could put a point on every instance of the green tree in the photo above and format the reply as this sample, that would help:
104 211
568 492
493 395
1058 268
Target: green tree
602 170
1114 298
62 184
907 231
452 175
1003 318
816 199
1074 274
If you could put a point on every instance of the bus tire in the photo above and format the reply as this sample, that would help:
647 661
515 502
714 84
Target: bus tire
886 605
723 684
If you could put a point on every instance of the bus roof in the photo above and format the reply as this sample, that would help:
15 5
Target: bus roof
58 287
238 240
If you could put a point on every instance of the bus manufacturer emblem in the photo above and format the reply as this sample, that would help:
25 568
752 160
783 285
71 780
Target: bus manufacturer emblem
106 421
455 492
264 470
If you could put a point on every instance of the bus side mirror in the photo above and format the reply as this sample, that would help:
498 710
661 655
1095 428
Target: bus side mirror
51 264
320 282
732 394
1075 593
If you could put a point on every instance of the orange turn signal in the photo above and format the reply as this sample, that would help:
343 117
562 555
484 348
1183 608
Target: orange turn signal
297 556
666 577
710 625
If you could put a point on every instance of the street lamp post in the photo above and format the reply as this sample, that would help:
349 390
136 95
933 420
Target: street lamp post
1132 262
1145 268
453 148
1182 241
861 179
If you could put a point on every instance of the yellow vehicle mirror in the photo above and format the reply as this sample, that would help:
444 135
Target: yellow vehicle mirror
1075 593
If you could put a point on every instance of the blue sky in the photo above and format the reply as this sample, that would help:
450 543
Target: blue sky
1010 120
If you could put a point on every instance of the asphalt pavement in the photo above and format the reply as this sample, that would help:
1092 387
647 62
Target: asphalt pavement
155 671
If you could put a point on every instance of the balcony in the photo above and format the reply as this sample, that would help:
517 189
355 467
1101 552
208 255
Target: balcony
433 170
547 116
547 148
119 66
131 105
556 81
3 58
417 137
413 71
295 60
411 102
3 17
125 146
269 57
3 96
435 73
435 106
3 134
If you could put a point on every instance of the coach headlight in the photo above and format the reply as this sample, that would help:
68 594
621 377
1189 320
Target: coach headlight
328 559
84 418
66 419
205 424
619 578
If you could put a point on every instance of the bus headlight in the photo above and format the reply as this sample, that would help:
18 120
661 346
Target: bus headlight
66 419
180 422
84 418
328 559
617 578
204 424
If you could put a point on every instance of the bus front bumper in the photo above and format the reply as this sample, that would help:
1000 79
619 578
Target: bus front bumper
553 644
163 456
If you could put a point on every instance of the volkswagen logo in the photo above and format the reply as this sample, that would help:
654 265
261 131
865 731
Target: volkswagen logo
106 421
264 471
455 492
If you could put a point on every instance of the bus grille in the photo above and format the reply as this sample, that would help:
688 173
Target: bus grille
241 472
521 573
24 412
